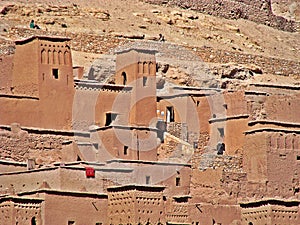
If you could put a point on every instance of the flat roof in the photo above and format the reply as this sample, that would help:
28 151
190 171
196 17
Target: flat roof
177 223
253 92
137 187
164 163
55 166
42 37
97 86
14 96
78 163
182 196
103 169
269 129
147 51
38 130
15 163
275 122
20 199
270 201
180 91
222 119
125 127
274 85
63 192
193 88
30 171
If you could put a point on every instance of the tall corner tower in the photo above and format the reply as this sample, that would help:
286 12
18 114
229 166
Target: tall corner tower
137 68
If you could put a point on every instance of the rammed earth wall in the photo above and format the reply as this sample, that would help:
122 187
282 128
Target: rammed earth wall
21 146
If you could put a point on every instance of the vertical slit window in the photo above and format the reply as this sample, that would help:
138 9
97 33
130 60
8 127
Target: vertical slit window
145 81
49 57
125 150
147 179
43 57
60 58
221 132
124 78
55 57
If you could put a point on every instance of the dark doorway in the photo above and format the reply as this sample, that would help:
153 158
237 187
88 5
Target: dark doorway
33 221
110 117
170 114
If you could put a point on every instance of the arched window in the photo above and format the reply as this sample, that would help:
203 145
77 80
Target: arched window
145 69
140 67
55 57
43 56
49 57
66 58
152 68
124 77
60 58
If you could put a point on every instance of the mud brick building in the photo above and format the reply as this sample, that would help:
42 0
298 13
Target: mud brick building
76 151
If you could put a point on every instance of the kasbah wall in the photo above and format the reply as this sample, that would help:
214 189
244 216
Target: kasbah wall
50 166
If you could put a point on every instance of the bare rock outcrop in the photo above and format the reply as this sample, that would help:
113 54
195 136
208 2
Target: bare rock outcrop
236 71
102 69
254 10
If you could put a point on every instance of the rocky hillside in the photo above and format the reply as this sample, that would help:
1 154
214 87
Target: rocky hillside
254 10
225 39
289 9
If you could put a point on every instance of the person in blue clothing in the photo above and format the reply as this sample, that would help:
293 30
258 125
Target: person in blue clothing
33 25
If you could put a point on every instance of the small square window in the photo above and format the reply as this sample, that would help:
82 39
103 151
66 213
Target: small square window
55 73
177 181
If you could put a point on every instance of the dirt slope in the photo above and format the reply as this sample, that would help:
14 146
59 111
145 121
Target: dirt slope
115 21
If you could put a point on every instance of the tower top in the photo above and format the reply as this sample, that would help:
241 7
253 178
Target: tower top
40 37
138 50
